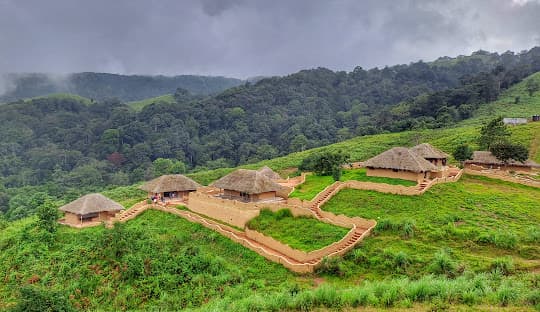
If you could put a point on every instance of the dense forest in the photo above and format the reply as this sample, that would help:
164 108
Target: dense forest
101 86
58 146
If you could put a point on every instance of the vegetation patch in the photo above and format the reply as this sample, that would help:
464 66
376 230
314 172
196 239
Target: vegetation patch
360 175
314 184
473 222
157 259
303 233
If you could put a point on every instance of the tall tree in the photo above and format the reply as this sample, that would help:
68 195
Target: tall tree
532 86
506 151
494 131
462 152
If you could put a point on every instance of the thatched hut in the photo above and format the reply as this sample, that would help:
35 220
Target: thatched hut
247 185
431 154
269 173
400 163
485 160
172 186
90 208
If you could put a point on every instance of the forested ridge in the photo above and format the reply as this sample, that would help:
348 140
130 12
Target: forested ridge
101 86
63 147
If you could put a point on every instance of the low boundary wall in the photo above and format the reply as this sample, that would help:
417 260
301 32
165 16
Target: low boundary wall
235 212
299 255
504 177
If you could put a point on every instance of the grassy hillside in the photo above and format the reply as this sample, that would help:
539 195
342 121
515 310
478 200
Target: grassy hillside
444 248
476 221
139 105
362 148
506 105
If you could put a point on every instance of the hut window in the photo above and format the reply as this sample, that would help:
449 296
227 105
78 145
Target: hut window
395 170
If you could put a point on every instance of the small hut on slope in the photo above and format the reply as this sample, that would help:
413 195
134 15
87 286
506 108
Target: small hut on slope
400 163
247 185
486 160
90 208
269 173
172 186
431 154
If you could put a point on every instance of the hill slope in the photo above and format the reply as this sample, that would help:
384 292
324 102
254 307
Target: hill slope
100 86
445 247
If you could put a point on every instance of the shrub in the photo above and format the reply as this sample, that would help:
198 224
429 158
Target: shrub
407 228
283 213
533 298
383 225
401 260
533 234
33 299
443 264
357 256
331 266
505 240
327 296
390 295
304 301
504 266
506 295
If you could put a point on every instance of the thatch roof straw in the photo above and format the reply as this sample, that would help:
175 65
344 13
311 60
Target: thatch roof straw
486 158
400 158
247 181
427 151
91 203
170 183
269 173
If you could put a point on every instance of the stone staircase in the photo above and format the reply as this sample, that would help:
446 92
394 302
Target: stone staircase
422 185
132 212
321 198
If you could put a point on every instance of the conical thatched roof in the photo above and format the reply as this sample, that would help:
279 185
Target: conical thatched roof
400 158
486 158
269 173
91 203
247 181
170 183
427 151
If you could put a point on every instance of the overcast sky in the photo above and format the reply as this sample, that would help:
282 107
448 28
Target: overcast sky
242 38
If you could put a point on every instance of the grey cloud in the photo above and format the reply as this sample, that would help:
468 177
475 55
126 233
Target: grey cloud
246 38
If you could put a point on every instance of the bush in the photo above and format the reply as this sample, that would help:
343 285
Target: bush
331 266
407 228
283 213
443 264
506 295
504 266
533 234
33 299
505 240
327 296
401 260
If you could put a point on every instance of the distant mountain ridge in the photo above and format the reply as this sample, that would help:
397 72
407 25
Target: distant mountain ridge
100 86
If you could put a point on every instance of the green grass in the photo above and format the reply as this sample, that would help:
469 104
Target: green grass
360 175
476 219
139 105
303 233
314 184
155 260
